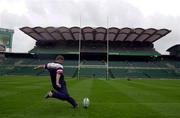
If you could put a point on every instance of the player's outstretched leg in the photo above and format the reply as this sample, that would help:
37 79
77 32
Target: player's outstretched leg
63 96
72 101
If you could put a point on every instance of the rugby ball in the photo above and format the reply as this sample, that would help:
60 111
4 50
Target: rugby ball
86 102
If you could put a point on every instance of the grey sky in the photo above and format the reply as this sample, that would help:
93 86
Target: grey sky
122 13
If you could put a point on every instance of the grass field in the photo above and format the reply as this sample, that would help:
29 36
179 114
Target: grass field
22 97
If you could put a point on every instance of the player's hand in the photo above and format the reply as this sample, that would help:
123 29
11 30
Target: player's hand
59 85
35 68
39 67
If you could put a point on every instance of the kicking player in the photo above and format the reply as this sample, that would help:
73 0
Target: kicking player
57 79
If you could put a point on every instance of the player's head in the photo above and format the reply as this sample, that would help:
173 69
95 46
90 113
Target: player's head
60 59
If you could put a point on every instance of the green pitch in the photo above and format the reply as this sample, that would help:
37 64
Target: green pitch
22 97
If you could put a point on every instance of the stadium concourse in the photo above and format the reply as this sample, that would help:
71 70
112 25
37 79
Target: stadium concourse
95 52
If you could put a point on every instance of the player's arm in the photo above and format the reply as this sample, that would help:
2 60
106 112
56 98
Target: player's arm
39 67
58 76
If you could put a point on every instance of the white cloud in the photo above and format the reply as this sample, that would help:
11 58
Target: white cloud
22 43
13 6
166 7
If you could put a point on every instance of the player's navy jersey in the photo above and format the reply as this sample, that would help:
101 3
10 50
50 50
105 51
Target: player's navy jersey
53 69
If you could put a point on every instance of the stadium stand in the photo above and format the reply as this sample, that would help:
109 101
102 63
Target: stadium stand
168 68
2 48
174 50
1 58
131 53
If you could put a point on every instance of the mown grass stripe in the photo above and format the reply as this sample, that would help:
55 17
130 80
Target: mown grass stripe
23 98
121 87
157 93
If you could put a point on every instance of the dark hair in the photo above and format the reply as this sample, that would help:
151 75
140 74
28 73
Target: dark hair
59 57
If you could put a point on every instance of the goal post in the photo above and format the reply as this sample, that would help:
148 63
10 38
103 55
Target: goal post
79 56
105 53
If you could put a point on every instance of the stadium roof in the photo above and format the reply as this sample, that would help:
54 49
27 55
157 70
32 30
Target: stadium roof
174 48
98 34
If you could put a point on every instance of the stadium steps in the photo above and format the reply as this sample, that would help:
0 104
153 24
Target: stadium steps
118 69
70 71
111 74
93 72
160 73
22 71
88 62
